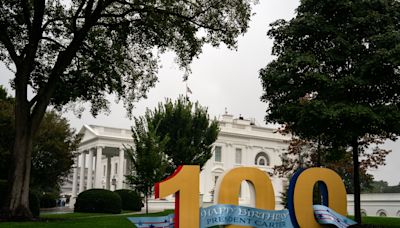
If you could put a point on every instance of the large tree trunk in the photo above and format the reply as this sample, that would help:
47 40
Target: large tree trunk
20 178
17 203
356 183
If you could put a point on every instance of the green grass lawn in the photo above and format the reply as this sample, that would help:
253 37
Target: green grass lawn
384 221
88 220
80 220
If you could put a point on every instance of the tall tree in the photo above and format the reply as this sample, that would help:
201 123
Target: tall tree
304 154
53 147
189 130
82 50
6 131
53 152
337 74
149 162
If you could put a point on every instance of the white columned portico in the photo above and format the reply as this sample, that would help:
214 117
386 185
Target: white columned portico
121 176
82 173
89 182
99 168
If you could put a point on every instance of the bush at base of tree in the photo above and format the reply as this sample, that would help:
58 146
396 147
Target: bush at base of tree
131 200
98 201
48 200
34 203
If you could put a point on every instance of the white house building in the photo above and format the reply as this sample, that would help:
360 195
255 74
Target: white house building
103 164
240 143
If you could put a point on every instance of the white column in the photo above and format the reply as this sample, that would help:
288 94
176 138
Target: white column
90 170
127 169
108 175
82 174
74 184
99 168
75 178
121 176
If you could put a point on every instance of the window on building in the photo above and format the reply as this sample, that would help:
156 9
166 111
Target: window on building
116 168
238 156
363 212
381 213
104 171
262 159
217 154
215 179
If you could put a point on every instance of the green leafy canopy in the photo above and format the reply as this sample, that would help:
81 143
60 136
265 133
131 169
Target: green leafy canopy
188 128
337 71
53 147
85 49
173 134
336 78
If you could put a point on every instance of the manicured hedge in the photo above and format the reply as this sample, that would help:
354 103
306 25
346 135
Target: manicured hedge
131 200
34 204
98 201
48 200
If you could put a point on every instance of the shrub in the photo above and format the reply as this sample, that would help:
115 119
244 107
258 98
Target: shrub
131 200
34 204
98 201
48 200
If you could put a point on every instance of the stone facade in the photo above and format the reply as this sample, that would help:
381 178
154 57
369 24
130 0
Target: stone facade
240 143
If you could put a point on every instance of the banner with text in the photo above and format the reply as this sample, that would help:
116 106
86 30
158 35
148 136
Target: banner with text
153 222
225 214
327 216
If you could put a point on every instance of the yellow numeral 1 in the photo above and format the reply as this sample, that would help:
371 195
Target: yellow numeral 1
184 182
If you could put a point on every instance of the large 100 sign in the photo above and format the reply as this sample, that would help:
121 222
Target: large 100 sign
184 183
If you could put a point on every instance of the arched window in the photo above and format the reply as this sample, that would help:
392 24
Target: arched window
262 159
363 212
216 172
381 213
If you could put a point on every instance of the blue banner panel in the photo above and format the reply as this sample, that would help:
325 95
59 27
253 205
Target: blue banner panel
325 215
153 222
225 214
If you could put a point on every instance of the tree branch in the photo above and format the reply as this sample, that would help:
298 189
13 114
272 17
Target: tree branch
88 9
76 16
187 18
54 20
6 41
53 41
27 14
122 14
34 34
64 58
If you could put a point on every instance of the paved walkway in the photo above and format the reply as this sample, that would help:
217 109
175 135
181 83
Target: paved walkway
56 210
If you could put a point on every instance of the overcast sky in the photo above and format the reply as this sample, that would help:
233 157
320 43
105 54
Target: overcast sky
220 79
